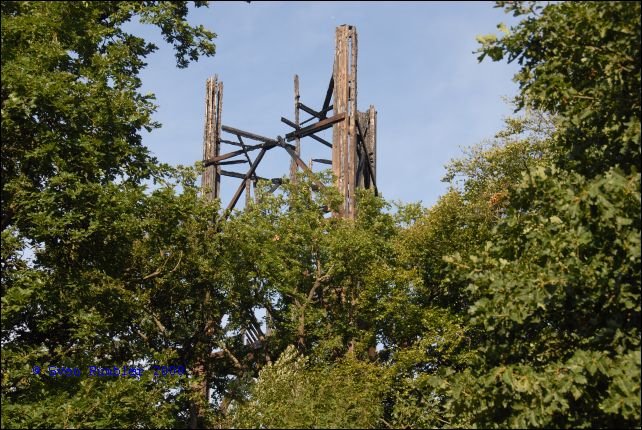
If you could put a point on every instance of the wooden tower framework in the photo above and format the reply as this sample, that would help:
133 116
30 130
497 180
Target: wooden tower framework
354 135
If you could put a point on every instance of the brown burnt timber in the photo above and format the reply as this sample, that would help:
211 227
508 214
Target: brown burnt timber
322 161
230 142
353 143
344 135
248 175
224 163
299 162
314 128
210 180
312 112
317 138
247 157
296 124
247 134
216 160
366 158
241 175
323 115
328 96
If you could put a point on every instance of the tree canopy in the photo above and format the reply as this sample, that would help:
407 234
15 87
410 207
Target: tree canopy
514 301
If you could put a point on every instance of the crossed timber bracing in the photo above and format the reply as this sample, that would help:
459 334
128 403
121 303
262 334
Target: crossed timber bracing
354 135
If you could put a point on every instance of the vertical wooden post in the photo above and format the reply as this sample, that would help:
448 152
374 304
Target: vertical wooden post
371 145
367 149
362 177
293 165
344 136
211 179
352 130
340 98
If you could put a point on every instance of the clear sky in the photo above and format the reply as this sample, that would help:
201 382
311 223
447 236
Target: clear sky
416 65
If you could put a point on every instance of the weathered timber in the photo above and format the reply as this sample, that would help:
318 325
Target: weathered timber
290 123
219 158
211 180
315 128
311 111
317 138
328 96
232 174
352 141
244 146
230 142
345 101
322 161
353 138
224 163
247 134
301 164
239 190
371 145
296 124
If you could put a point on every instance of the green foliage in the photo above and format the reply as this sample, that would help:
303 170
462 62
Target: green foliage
557 289
292 394
72 164
581 61
71 109
512 302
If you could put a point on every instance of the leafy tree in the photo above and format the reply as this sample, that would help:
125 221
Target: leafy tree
513 302
71 110
291 394
72 164
581 62
559 284
462 221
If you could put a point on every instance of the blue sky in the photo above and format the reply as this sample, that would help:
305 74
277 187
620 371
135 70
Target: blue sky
416 65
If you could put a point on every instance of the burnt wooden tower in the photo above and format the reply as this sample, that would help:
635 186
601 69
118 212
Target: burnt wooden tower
354 135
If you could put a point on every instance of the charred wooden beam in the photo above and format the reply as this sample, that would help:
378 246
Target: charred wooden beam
220 158
248 175
251 337
311 111
315 128
244 146
298 161
328 95
223 163
242 175
308 120
322 161
317 138
230 142
290 123
366 155
273 188
233 174
247 134
323 114
215 160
